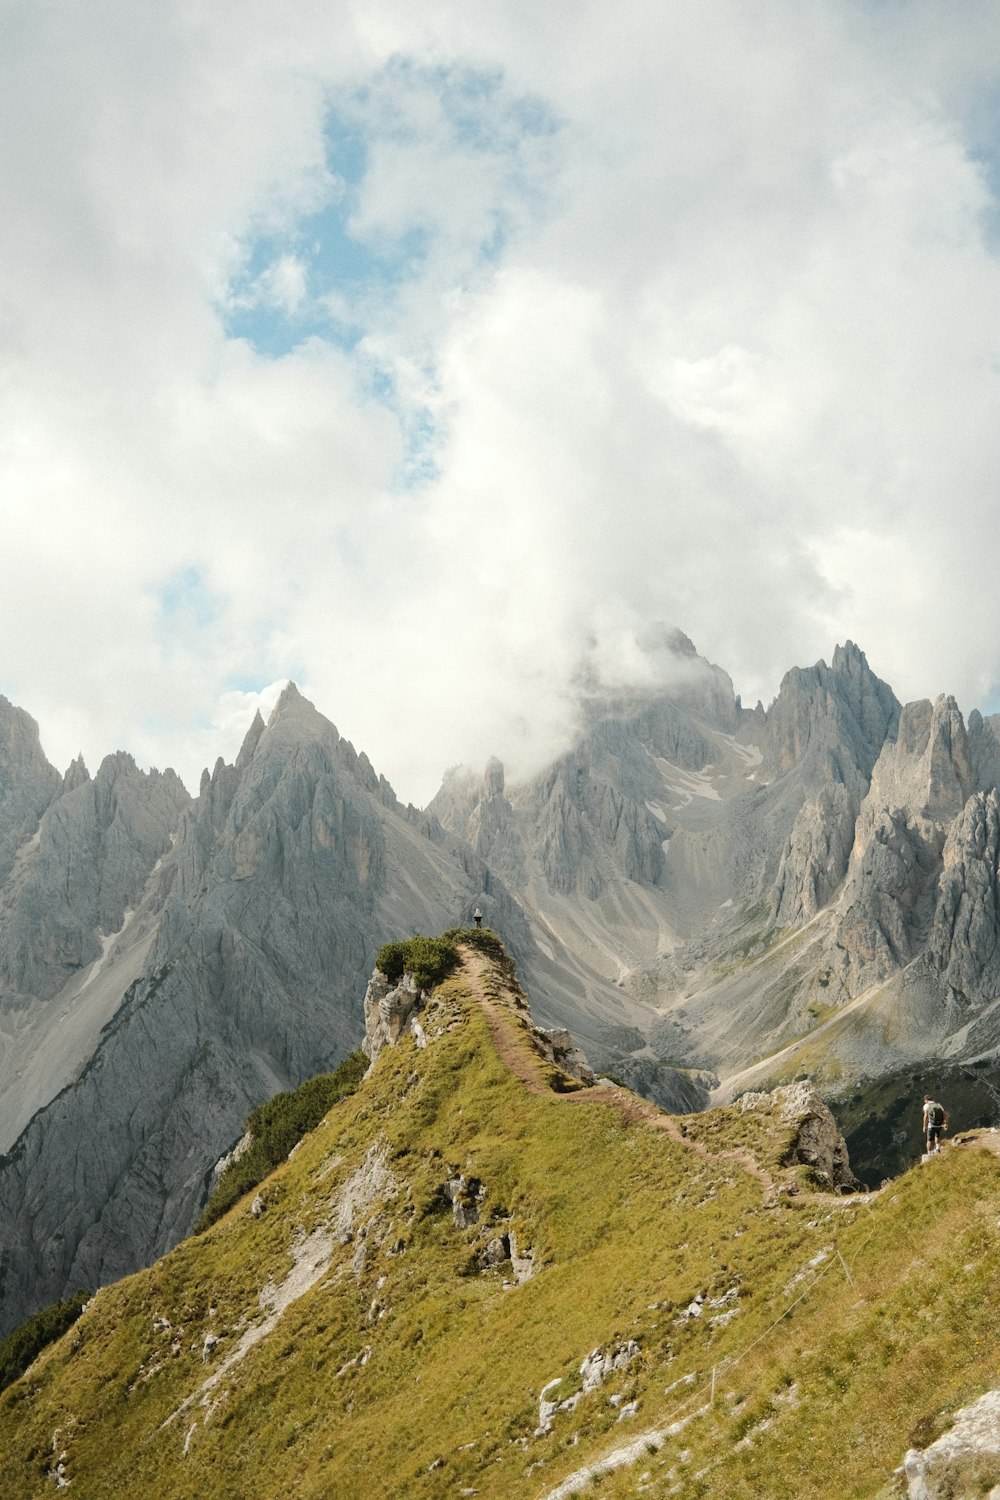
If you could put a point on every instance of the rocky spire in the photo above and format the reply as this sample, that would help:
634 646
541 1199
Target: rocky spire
27 782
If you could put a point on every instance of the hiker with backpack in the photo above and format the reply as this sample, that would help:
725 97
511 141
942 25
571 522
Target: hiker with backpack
935 1120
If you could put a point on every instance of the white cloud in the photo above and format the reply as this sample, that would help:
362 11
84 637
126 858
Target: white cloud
698 306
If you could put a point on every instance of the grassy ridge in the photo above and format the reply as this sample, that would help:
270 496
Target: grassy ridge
409 1369
24 1343
275 1127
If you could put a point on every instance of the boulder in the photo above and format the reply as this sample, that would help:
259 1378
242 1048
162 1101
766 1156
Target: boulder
390 1012
818 1143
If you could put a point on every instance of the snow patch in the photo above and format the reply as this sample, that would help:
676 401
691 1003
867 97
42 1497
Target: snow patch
749 754
687 784
107 942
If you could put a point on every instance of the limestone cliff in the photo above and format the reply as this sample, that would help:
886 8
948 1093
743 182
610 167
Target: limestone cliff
964 942
919 786
286 874
86 867
27 782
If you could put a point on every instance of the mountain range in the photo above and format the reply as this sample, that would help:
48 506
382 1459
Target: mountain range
711 899
478 1273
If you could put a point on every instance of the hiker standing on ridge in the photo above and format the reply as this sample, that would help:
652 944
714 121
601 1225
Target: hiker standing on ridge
477 917
935 1120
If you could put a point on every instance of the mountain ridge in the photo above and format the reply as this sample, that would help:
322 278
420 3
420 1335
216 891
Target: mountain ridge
456 1282
704 895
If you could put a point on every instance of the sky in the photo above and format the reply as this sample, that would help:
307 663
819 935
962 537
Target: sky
430 352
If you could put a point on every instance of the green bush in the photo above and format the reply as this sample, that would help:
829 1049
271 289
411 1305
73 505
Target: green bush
28 1340
429 960
278 1125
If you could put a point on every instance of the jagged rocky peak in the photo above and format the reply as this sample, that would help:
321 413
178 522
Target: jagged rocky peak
28 782
984 748
890 907
458 794
670 671
97 843
20 745
493 779
296 725
839 716
294 709
490 826
928 766
76 774
250 741
476 808
964 943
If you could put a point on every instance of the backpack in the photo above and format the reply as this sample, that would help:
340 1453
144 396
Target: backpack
935 1116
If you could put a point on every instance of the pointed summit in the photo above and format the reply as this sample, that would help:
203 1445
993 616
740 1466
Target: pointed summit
76 774
251 738
293 709
289 697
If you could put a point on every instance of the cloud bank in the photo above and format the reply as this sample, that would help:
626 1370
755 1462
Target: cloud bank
417 351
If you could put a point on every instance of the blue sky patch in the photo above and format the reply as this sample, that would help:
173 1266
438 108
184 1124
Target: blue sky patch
187 604
342 273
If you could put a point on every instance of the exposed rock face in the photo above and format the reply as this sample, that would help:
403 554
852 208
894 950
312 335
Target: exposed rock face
964 943
27 782
837 716
584 820
95 847
819 848
949 1466
559 1048
818 1143
919 785
390 1012
262 923
822 736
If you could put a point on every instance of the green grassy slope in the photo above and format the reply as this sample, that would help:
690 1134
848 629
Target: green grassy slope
351 1342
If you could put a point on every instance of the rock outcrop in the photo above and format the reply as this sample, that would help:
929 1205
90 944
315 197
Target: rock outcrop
818 1143
391 1011
394 1010
558 1048
950 1466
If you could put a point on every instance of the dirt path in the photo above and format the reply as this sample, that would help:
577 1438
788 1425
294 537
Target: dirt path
527 1066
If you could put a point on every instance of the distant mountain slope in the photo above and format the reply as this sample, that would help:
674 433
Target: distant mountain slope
75 923
683 827
466 1280
710 898
806 889
239 944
